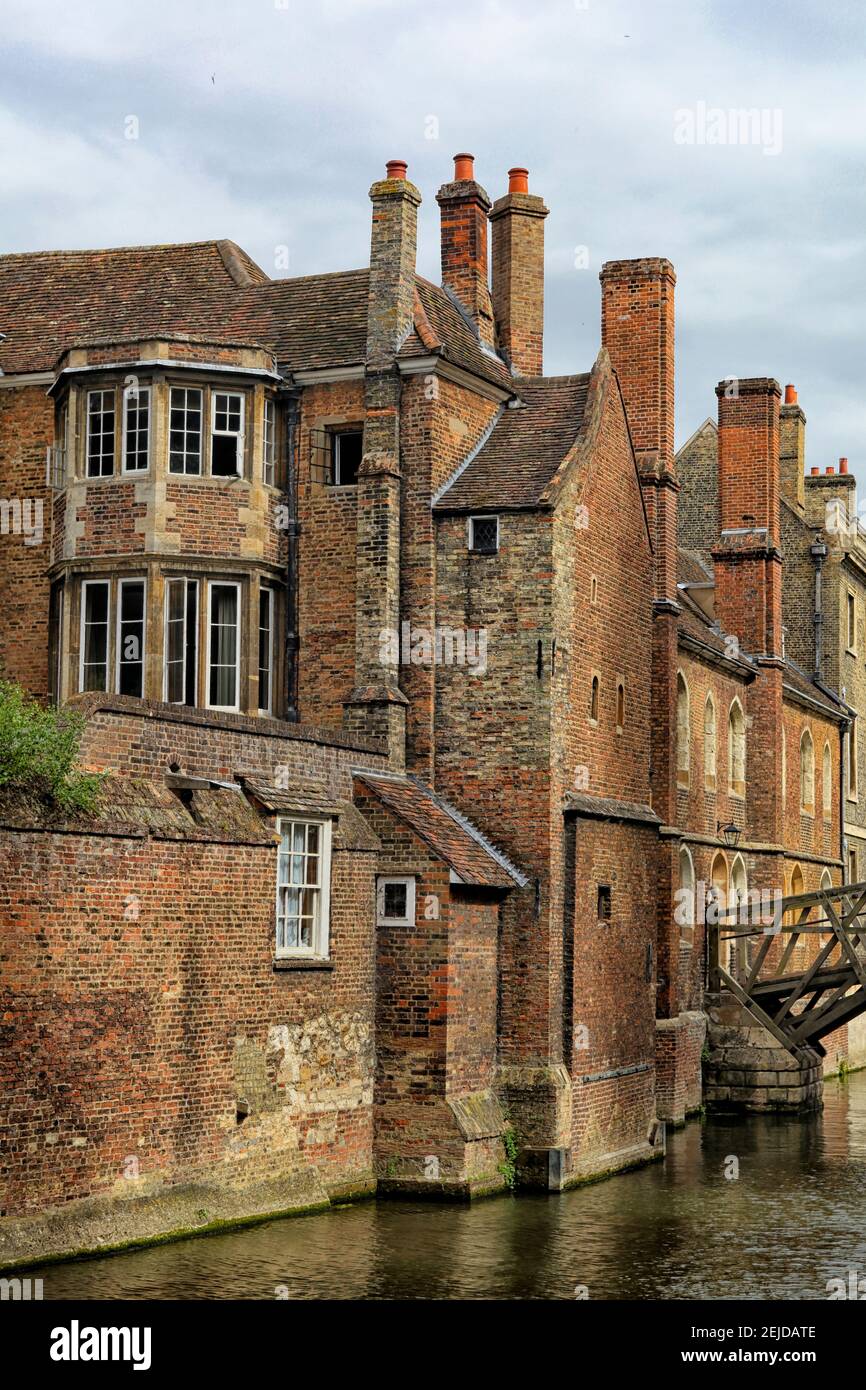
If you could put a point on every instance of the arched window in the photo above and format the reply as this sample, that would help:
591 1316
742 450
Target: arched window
686 908
807 773
737 750
683 732
827 781
826 879
593 700
710 745
797 887
620 706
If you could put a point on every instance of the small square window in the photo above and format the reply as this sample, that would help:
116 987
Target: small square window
484 534
347 447
395 901
604 903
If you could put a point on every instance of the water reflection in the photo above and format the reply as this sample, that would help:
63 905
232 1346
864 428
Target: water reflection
794 1218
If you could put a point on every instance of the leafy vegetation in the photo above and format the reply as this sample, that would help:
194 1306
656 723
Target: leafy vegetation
38 751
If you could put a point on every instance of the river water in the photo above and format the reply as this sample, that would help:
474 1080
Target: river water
793 1218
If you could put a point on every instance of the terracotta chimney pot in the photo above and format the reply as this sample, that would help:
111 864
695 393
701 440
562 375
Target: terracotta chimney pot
396 169
464 167
790 395
518 180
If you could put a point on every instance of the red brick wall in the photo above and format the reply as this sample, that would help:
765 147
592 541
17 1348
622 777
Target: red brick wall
26 430
141 1004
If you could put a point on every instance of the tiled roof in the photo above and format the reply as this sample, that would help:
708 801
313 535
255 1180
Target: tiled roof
691 568
211 290
525 448
798 683
51 299
450 836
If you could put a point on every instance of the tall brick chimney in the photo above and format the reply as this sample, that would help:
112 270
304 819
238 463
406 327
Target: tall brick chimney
518 274
748 584
748 562
393 243
376 706
637 328
464 206
792 450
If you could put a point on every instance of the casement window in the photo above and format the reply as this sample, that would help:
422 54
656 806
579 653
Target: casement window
223 671
269 445
347 447
101 413
130 637
266 651
93 660
227 434
184 436
483 538
181 641
56 609
303 888
395 902
136 429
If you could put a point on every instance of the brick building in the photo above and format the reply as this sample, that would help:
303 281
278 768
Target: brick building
416 717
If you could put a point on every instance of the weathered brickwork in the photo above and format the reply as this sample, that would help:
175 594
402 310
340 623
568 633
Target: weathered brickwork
566 684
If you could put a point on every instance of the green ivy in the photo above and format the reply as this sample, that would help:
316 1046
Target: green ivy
38 751
508 1167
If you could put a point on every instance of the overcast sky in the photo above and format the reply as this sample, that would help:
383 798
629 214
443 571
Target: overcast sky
266 121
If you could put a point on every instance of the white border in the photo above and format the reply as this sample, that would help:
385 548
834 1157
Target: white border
381 919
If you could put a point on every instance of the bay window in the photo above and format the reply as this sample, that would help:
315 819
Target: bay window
227 434
223 676
136 429
130 637
269 445
93 667
100 433
181 641
266 650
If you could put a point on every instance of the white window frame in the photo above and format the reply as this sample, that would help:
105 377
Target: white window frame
320 945
82 622
186 582
59 644
224 584
239 435
409 882
470 532
266 589
118 607
130 396
851 622
100 391
269 442
186 472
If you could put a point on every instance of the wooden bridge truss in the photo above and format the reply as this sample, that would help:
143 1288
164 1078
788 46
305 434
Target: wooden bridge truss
801 974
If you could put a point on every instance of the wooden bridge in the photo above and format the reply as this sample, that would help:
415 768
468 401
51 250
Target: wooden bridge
802 971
